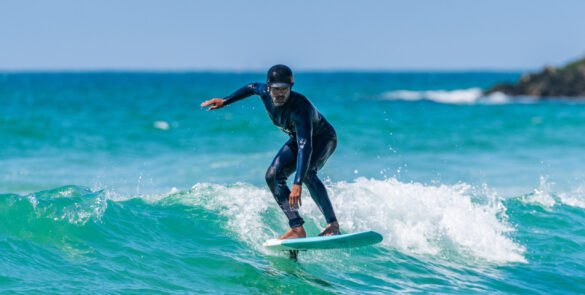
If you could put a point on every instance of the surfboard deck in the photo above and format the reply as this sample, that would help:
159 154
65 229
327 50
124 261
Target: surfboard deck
359 239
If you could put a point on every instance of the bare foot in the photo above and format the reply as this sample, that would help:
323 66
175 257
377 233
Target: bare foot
331 229
294 233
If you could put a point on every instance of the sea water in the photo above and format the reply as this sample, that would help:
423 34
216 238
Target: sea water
121 183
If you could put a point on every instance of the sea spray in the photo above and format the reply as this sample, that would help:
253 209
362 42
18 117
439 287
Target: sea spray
417 218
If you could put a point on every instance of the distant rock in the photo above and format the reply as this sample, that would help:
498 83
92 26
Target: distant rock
568 81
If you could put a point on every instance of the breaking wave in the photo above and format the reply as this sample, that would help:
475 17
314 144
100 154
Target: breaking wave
459 96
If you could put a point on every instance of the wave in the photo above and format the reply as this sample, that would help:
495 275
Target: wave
459 235
414 219
459 96
71 204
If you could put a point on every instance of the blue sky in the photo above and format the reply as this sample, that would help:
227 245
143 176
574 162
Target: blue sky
308 35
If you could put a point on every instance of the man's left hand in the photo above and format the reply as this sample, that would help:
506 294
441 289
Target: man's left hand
294 199
215 103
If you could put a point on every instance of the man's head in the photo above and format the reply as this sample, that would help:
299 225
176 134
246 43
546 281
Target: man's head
280 80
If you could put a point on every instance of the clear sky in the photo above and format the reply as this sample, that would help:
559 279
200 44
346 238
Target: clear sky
308 35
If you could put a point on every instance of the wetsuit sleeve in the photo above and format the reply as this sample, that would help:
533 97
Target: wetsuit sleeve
246 91
304 131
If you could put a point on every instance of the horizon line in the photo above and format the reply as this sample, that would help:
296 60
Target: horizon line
262 71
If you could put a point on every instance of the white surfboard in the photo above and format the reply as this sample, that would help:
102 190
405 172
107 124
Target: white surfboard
360 239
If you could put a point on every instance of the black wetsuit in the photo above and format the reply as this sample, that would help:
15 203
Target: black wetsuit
312 141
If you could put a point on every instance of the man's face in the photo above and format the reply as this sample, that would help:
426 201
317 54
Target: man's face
279 95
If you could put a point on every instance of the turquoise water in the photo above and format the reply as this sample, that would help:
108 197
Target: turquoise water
120 183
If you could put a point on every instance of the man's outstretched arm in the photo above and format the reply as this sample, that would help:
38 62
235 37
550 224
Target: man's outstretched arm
218 103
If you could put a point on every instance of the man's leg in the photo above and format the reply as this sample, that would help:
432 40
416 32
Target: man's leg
323 148
319 195
283 165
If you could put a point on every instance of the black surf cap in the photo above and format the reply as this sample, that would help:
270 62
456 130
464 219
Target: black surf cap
280 76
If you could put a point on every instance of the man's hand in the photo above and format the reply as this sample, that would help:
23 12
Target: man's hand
294 200
216 103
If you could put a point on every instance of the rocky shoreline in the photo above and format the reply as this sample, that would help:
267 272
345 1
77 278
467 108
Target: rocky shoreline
551 82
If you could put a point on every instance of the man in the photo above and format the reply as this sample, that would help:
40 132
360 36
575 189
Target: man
312 141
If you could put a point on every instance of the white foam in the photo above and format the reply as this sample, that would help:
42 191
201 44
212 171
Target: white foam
458 96
162 125
541 196
545 197
418 218
495 98
574 198
413 218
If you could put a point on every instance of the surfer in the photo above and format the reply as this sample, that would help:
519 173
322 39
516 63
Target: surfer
312 141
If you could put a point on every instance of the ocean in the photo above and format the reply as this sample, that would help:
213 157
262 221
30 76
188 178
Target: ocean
119 183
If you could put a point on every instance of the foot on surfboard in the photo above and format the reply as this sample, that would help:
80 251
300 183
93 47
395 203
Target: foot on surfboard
294 233
331 229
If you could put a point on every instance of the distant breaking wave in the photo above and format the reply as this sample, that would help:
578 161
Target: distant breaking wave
458 96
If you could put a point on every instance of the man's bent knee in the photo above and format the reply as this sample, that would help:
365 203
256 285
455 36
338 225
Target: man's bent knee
271 175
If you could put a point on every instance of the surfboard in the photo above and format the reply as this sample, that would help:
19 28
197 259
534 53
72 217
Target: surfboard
359 239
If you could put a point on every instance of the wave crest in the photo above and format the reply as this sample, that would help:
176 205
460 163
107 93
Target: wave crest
426 219
413 218
449 221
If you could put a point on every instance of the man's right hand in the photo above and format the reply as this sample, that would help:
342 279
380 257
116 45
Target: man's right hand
215 103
